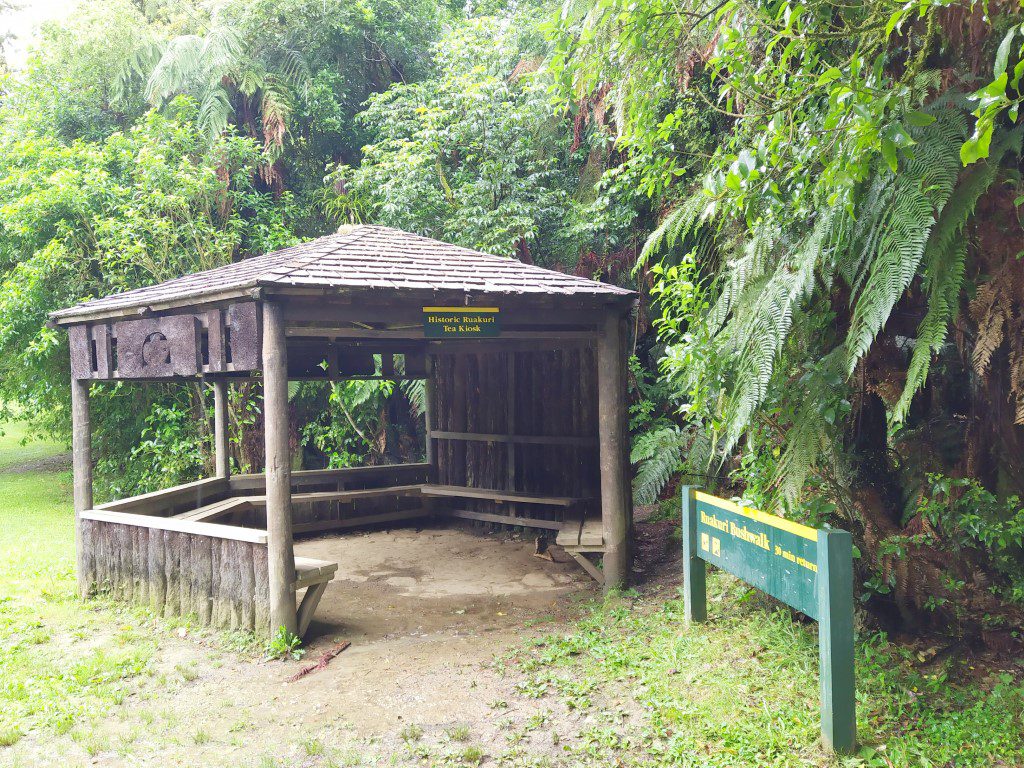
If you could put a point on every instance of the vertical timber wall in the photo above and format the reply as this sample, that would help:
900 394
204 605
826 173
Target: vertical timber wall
222 582
524 397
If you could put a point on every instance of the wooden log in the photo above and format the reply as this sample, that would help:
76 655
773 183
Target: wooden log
139 594
429 395
202 564
611 385
187 574
217 607
220 428
280 554
261 608
119 556
81 461
86 557
157 572
247 585
172 574
231 581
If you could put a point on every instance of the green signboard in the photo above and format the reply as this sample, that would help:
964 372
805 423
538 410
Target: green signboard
461 322
806 568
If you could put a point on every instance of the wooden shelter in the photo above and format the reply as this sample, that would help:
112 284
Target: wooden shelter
524 373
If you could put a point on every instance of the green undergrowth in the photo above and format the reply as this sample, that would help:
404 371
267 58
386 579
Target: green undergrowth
742 690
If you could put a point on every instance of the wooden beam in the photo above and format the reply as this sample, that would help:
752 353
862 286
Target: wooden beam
403 474
344 496
197 493
429 393
81 460
611 392
417 334
280 553
214 530
462 492
592 570
325 311
220 428
485 437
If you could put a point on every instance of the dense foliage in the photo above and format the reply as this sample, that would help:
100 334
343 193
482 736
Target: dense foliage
861 204
817 200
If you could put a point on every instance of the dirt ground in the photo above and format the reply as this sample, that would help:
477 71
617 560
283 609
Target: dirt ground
427 612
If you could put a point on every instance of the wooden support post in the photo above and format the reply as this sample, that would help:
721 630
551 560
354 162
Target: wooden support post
81 459
695 598
429 392
611 395
835 640
280 554
220 428
510 424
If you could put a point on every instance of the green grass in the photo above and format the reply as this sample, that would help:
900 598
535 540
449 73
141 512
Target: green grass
14 452
742 690
61 660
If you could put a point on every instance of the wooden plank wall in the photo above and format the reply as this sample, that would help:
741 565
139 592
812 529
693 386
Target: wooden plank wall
221 582
546 393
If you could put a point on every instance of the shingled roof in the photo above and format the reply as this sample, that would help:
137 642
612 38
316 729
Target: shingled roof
361 257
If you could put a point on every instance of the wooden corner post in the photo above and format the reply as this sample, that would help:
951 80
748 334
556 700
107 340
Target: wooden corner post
280 554
611 395
835 640
429 393
81 461
220 428
695 596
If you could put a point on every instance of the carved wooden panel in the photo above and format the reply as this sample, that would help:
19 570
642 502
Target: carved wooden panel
168 346
244 331
81 352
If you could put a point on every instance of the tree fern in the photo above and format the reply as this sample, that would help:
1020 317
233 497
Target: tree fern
658 455
944 267
221 64
890 230
893 227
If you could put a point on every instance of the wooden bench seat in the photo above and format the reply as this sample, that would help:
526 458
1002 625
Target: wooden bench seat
354 495
313 576
217 509
463 492
580 535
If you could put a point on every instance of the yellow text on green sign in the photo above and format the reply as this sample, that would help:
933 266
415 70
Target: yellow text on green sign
461 322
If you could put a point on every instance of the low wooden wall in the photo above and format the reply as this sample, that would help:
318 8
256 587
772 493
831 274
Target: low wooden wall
216 573
170 501
136 551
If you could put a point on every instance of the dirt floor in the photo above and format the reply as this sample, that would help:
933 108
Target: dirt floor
428 613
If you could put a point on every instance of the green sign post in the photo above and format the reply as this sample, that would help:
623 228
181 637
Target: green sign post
806 568
461 322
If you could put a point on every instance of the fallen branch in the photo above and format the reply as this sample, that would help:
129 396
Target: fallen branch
326 659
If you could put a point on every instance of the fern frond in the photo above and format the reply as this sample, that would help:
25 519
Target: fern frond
214 112
658 454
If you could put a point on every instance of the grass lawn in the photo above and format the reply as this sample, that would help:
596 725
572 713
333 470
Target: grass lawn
60 663
742 690
12 451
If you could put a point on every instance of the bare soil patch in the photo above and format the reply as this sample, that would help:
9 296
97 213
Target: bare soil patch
427 612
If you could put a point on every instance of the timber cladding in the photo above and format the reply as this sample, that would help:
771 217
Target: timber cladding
222 582
168 346
522 421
